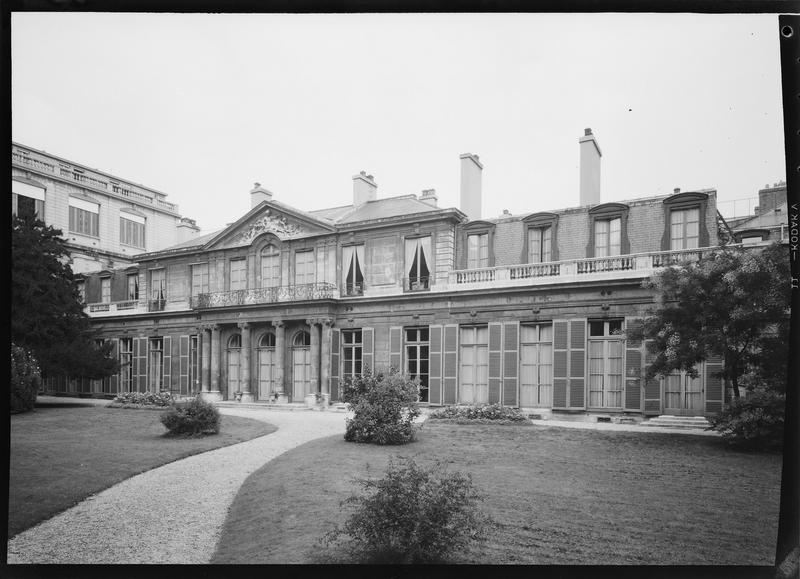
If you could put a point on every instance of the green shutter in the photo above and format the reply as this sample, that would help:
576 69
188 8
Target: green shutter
652 386
577 363
113 382
510 363
396 348
166 384
560 350
140 364
183 370
633 367
335 334
367 348
435 365
450 363
495 361
714 385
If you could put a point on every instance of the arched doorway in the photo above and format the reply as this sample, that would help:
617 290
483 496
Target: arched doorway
233 354
266 366
301 365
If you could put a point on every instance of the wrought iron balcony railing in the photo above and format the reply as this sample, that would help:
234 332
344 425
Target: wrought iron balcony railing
416 284
268 295
353 289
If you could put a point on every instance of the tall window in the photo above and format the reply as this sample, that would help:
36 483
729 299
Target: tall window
27 200
417 357
607 237
234 350
133 286
536 366
194 364
473 378
304 267
539 245
605 364
685 228
418 253
131 230
81 290
266 366
238 274
155 366
199 279
270 267
158 287
351 353
105 290
352 259
477 250
125 364
84 217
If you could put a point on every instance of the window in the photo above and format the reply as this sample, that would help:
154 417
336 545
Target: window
84 217
351 353
607 237
238 274
105 290
27 200
418 251
81 285
199 279
194 364
266 366
125 364
304 267
473 376
158 289
155 366
270 267
605 364
352 259
477 250
131 230
417 357
536 366
234 350
133 286
539 244
684 228
753 240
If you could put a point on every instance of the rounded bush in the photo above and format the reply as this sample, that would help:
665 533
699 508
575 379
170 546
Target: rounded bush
25 380
754 421
191 418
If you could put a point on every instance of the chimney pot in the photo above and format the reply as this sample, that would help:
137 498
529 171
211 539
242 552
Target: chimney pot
676 190
429 196
258 194
587 132
364 188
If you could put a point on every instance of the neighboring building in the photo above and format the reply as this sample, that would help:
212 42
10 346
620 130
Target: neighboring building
106 221
770 221
525 310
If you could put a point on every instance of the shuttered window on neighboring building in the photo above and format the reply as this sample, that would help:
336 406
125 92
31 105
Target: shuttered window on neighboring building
84 217
131 230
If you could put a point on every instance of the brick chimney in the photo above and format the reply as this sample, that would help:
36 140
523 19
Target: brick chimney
259 194
429 196
364 189
590 169
471 171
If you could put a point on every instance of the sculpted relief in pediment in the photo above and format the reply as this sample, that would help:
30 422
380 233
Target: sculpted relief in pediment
269 223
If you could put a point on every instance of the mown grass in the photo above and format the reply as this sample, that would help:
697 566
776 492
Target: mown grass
559 496
61 455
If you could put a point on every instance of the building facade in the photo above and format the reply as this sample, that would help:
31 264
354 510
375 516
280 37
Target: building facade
106 221
527 310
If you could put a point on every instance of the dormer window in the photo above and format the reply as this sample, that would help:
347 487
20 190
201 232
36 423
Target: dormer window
684 228
607 239
352 260
608 235
684 221
477 242
477 250
540 243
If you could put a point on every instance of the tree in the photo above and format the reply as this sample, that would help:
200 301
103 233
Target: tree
732 304
47 315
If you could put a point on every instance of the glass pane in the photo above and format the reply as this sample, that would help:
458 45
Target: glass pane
482 335
596 328
546 333
467 335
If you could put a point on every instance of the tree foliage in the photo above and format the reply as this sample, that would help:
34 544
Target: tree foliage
47 315
732 304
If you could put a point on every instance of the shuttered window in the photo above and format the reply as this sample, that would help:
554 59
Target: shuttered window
155 365
418 358
131 230
605 364
126 365
351 353
473 376
536 366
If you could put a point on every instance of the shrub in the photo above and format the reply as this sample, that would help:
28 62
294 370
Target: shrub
384 408
754 421
191 418
25 380
480 413
411 515
158 399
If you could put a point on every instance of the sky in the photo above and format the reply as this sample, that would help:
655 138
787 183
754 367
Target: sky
202 106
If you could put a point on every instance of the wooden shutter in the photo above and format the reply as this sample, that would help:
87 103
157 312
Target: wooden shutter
577 363
495 361
367 348
335 335
652 387
510 363
435 365
166 384
396 348
183 369
140 364
633 367
714 385
560 350
113 382
450 371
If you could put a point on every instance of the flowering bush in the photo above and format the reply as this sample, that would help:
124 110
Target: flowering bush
191 418
754 421
25 380
411 515
160 399
480 412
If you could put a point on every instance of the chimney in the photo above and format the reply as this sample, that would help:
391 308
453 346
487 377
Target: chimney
471 170
364 189
770 197
590 169
676 190
259 194
187 229
429 196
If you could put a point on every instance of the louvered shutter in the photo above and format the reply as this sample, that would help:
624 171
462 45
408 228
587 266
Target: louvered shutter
113 381
140 363
367 348
183 370
396 348
166 384
450 363
652 386
335 336
714 385
510 363
560 350
495 361
633 367
577 363
435 365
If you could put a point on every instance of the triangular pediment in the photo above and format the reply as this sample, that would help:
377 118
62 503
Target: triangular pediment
272 218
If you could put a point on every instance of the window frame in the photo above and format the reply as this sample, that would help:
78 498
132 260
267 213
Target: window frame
609 212
356 349
418 344
131 231
478 227
82 219
242 273
540 220
681 201
202 275
310 263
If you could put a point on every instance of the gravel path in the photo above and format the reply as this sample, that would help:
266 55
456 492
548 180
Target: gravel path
171 514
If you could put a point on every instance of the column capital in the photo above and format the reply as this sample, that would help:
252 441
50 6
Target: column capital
243 325
277 323
312 321
327 322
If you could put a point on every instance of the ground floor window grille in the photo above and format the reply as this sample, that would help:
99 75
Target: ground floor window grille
351 353
536 366
473 375
417 357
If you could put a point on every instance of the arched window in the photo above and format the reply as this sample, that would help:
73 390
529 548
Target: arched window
234 348
302 339
267 384
267 340
235 341
270 266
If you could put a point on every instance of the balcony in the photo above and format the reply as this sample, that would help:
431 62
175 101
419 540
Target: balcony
269 295
101 309
353 289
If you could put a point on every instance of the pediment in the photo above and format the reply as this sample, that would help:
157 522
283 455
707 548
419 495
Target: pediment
266 219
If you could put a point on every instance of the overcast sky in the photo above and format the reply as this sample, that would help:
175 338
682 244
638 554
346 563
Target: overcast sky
202 106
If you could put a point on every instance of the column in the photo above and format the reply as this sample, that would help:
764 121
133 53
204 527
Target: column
215 394
325 364
244 362
314 329
280 356
205 358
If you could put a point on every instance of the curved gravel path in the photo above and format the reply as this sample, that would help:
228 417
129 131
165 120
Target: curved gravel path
171 514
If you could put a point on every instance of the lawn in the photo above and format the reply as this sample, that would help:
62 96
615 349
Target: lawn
60 456
558 496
